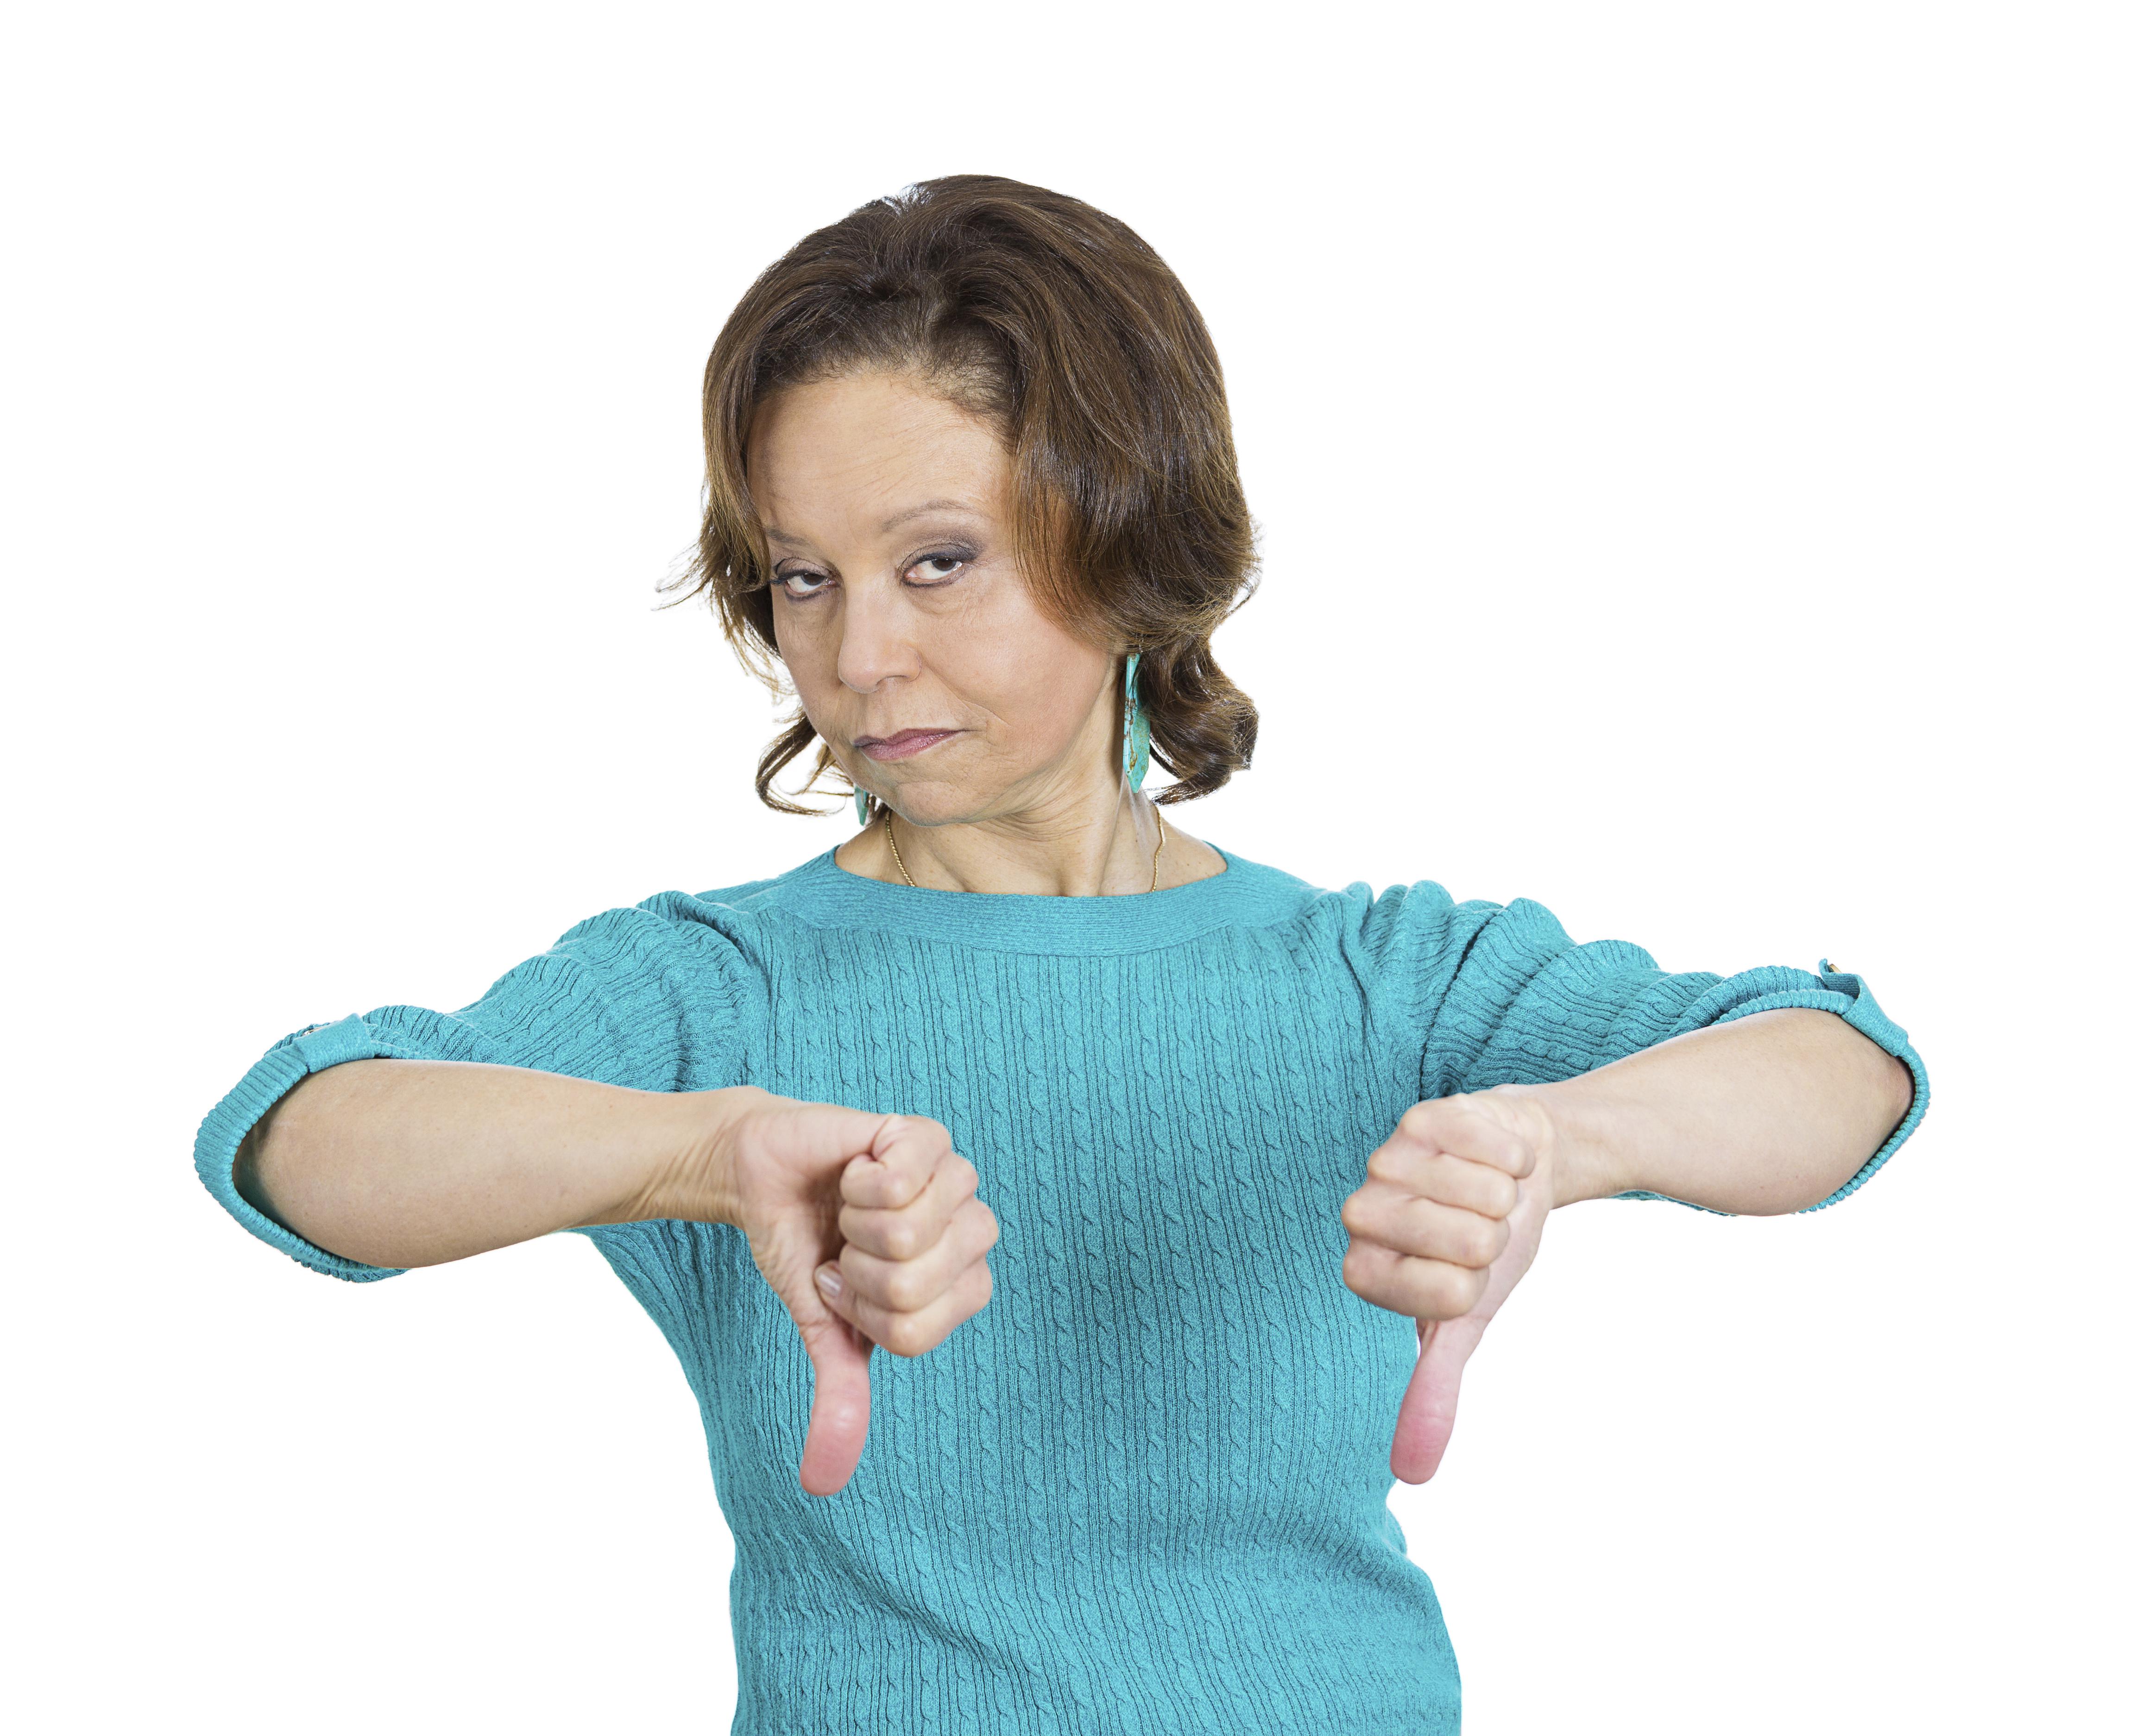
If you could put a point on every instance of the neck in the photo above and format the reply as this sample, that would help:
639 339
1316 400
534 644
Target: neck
1104 846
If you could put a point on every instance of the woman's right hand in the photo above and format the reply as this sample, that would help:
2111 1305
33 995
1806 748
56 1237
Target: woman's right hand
867 1229
396 1163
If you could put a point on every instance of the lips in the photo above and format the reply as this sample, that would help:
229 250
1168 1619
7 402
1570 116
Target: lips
904 745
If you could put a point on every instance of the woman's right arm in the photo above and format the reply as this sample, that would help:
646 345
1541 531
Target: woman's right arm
866 1225
411 1163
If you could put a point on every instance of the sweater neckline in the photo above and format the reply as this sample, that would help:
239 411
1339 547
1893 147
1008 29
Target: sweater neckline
823 894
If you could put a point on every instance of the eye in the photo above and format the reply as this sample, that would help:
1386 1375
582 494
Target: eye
799 583
935 569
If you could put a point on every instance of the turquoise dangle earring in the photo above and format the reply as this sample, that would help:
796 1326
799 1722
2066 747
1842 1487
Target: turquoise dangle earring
863 806
1138 731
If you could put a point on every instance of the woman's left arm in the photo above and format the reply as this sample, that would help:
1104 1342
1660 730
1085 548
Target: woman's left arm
1554 1072
1774 1112
1778 1111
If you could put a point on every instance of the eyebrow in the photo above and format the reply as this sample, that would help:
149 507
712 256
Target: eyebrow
893 523
899 519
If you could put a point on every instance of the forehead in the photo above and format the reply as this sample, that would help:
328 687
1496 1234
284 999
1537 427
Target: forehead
838 457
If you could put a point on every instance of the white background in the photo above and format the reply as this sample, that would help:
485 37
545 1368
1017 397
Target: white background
1696 450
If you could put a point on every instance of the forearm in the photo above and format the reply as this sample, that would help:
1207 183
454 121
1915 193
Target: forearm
411 1163
1771 1113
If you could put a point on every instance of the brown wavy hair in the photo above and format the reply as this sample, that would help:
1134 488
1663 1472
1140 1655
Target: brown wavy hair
1057 323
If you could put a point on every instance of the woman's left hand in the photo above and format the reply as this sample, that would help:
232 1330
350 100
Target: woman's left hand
1446 1225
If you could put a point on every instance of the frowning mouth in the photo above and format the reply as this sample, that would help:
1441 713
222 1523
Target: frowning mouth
905 745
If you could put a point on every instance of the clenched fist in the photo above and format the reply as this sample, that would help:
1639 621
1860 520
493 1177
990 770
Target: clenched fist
1442 1229
867 1229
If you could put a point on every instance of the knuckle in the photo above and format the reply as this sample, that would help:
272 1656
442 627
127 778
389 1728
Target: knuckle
1481 1242
1444 1179
906 1336
1449 1290
1359 1270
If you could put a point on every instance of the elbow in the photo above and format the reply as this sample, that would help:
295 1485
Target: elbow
1902 1090
1869 1093
276 1170
245 1173
1888 1094
1877 1105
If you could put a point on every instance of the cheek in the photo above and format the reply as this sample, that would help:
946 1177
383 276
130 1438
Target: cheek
802 654
1040 690
810 667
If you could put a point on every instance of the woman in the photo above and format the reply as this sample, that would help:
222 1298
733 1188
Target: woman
1260 1161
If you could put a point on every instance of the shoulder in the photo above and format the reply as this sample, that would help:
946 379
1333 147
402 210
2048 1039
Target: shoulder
1399 915
723 930
1417 932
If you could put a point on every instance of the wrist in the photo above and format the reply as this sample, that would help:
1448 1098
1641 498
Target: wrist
1577 1141
689 1171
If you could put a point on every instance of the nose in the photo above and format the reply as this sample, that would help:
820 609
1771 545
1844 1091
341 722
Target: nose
875 647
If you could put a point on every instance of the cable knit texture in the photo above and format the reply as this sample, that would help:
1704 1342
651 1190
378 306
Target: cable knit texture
1143 1490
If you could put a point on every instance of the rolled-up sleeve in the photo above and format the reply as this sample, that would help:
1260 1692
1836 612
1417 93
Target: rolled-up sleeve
1523 1003
617 1000
266 1082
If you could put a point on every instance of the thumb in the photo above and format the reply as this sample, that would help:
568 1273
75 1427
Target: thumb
1431 1404
840 1397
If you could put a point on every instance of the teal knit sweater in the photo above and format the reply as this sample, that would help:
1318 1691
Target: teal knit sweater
1143 1490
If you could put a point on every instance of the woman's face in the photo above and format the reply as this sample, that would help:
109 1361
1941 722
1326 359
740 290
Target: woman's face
915 642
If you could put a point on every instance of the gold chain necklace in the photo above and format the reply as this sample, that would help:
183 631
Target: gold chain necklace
910 878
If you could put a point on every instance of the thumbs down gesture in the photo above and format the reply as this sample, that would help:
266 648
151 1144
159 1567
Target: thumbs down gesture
1443 1229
